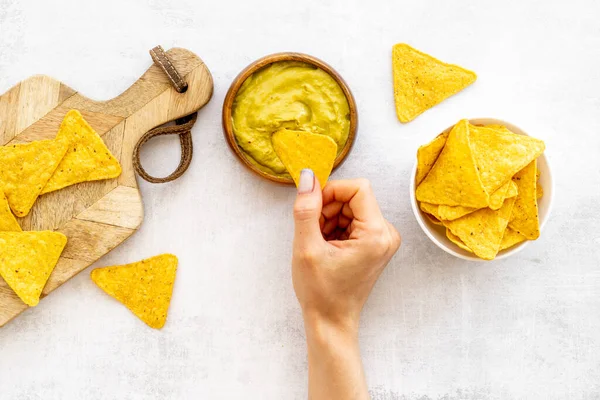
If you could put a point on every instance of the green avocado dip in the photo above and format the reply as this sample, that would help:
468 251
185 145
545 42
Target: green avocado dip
287 95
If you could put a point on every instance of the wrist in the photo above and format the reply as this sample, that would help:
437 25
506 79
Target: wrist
324 328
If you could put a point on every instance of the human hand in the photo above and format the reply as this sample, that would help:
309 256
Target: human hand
342 243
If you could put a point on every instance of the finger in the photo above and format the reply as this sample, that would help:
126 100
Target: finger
343 222
330 225
307 211
347 211
332 209
358 194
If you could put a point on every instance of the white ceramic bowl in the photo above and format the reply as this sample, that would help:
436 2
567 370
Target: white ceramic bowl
437 233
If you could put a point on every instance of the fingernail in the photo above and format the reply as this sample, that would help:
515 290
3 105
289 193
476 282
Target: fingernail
306 182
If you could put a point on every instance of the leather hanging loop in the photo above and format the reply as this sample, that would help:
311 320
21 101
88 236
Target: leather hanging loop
183 126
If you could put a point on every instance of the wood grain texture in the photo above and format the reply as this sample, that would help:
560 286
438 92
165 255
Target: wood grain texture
95 216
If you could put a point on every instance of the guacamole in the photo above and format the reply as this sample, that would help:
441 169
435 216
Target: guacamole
287 95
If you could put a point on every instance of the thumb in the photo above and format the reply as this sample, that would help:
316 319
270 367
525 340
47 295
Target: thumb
307 211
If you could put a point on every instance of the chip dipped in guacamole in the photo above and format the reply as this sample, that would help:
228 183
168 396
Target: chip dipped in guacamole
287 95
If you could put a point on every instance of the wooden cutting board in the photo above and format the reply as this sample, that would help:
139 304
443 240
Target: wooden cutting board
95 216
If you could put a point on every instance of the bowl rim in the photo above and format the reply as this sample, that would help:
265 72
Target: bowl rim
504 253
261 63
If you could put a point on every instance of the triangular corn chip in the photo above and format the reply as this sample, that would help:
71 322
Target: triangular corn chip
145 287
513 190
457 241
88 158
427 155
431 209
482 230
433 219
422 81
8 222
497 198
524 218
26 168
27 260
500 154
454 179
298 150
511 238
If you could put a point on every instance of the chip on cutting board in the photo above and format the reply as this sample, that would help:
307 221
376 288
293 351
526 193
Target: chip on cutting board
28 259
454 178
422 81
26 168
8 222
145 287
87 159
524 218
298 150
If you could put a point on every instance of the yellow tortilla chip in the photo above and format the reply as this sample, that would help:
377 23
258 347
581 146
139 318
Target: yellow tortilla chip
145 287
482 230
427 155
511 238
500 154
8 222
451 213
26 168
497 198
513 190
298 150
431 209
28 259
433 219
454 180
456 240
422 81
88 158
524 218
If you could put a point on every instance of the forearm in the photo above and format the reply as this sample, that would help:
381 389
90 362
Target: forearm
335 368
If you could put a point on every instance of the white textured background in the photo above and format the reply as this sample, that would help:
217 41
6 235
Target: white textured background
435 327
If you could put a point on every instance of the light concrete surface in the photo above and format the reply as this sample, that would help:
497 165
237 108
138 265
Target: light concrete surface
435 327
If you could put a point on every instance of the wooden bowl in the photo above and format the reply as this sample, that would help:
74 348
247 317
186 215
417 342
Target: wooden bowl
255 66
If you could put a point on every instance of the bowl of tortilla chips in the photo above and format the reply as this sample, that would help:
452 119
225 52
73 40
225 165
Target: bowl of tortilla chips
482 189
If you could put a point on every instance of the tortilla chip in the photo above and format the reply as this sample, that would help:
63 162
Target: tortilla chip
456 240
26 168
145 287
433 219
422 81
427 155
524 218
501 154
454 180
8 222
28 259
482 230
539 191
431 209
513 190
450 213
298 150
88 158
511 238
